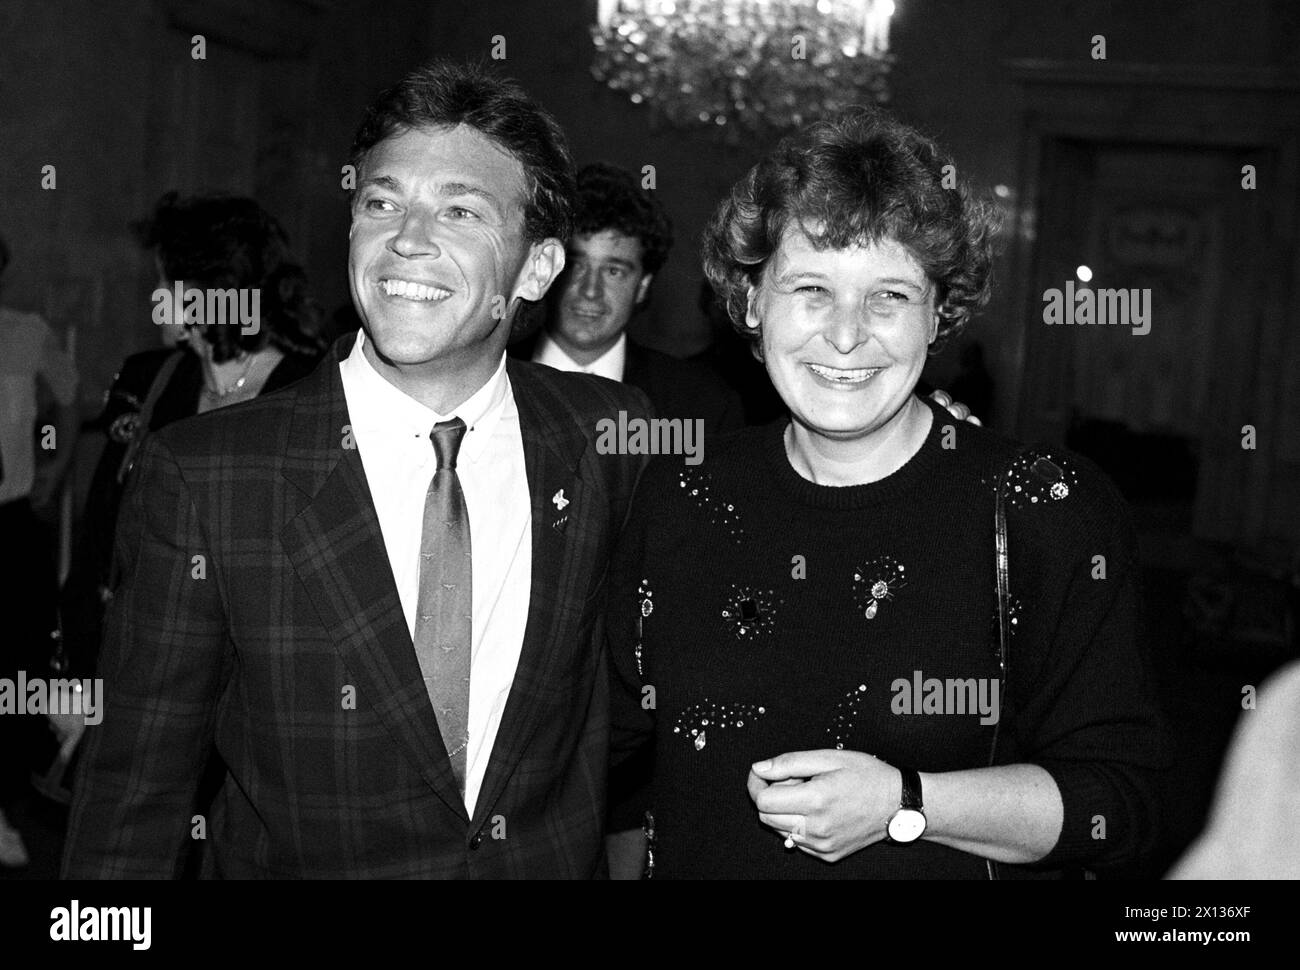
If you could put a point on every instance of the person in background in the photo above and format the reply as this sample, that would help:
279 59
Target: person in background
623 237
36 445
1251 830
206 242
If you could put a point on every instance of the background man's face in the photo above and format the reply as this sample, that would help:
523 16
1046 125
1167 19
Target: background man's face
601 286
437 236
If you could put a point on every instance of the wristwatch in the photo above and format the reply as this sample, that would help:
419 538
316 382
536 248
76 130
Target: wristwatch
907 824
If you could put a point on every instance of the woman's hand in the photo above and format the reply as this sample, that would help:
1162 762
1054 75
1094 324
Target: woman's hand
828 803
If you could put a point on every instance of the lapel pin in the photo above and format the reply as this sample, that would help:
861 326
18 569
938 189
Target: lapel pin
559 500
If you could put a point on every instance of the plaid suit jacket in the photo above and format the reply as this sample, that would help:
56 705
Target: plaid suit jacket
257 615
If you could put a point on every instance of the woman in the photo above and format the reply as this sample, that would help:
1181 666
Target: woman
807 623
203 243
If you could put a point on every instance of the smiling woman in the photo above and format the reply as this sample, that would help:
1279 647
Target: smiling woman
847 548
856 233
830 378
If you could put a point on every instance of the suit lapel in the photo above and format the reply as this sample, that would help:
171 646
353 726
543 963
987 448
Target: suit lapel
336 547
553 448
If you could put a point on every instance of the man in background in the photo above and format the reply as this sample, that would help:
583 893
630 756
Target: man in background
621 240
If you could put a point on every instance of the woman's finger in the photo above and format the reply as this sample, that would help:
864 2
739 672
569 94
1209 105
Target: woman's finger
785 824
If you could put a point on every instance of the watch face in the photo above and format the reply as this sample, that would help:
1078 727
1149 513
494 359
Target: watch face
906 825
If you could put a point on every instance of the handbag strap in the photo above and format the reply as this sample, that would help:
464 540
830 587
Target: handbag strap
1004 584
160 381
1001 566
1046 470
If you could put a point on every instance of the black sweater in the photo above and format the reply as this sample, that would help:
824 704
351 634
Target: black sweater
773 615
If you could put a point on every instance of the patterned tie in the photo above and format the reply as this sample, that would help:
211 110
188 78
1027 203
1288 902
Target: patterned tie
443 626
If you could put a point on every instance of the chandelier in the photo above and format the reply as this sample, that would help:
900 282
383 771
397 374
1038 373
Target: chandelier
759 66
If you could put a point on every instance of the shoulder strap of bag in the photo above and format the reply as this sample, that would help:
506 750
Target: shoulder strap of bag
1046 470
160 381
1003 580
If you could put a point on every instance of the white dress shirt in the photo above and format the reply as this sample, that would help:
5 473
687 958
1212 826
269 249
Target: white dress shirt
391 431
609 364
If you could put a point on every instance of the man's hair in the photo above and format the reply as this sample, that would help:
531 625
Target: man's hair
224 242
610 198
857 177
4 255
444 95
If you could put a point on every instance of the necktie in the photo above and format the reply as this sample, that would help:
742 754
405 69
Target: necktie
443 626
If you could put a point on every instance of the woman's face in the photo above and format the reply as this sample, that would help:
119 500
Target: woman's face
844 331
184 330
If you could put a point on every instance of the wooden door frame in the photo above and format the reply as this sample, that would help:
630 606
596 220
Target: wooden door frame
1237 109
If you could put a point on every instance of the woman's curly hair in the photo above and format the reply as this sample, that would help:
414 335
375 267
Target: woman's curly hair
856 178
220 242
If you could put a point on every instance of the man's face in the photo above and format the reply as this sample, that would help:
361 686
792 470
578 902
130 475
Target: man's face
845 332
601 287
437 251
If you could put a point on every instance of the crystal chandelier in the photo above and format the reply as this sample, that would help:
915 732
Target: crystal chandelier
759 66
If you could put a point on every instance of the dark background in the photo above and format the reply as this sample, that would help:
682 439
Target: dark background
1131 166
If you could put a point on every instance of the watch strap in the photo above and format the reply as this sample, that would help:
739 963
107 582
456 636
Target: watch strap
911 788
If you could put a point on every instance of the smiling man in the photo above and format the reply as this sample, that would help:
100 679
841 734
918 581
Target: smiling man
377 596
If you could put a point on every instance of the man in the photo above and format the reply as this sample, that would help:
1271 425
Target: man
622 236
378 594
38 380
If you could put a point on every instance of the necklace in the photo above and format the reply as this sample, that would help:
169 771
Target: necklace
232 388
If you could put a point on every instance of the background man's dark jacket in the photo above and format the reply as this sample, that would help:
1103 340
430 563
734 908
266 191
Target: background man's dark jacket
676 388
